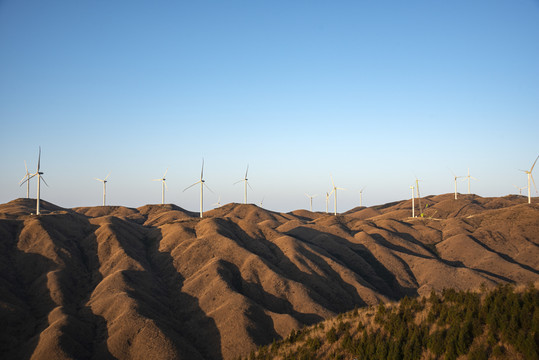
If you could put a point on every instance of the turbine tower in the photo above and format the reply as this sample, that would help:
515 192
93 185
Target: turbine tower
327 201
163 185
202 184
246 183
334 190
456 177
469 179
104 181
311 200
361 197
413 205
530 176
418 195
26 179
39 178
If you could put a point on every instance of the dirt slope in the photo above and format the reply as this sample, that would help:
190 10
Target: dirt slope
159 282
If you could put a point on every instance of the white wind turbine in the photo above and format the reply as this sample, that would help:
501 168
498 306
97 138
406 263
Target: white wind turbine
26 179
246 183
39 178
218 203
202 184
334 190
418 195
361 197
413 205
469 179
163 185
456 177
104 181
520 189
311 200
327 201
262 201
530 176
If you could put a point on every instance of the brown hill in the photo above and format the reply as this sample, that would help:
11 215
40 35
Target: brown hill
159 282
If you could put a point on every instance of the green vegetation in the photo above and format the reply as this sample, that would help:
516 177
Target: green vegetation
502 323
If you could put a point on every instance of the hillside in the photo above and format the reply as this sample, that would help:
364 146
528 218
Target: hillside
159 282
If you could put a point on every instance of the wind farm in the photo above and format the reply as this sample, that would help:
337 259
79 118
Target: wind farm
306 202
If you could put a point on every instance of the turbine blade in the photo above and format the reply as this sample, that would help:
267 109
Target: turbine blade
307 195
246 171
166 186
208 188
332 183
249 185
157 179
202 171
190 186
39 159
23 178
106 177
26 167
534 163
23 181
165 174
99 179
238 181
42 178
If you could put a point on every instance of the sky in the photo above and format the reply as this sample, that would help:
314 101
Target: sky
372 93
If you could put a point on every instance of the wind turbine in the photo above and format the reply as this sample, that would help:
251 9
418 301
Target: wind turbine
26 179
334 190
413 205
456 177
520 189
262 201
361 197
218 203
327 201
104 181
163 185
311 200
469 178
202 184
246 183
39 178
530 176
418 196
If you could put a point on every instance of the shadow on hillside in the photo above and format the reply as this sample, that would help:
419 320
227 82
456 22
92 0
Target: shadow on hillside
29 291
329 290
177 313
264 332
85 334
504 256
380 279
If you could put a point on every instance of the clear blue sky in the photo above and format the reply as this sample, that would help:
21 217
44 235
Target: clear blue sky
373 92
